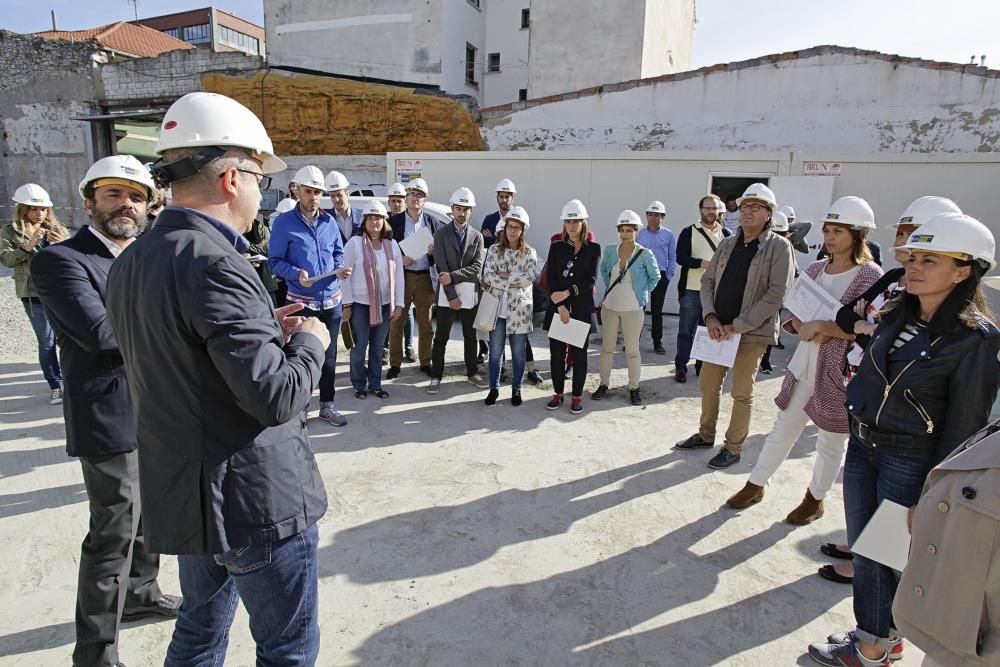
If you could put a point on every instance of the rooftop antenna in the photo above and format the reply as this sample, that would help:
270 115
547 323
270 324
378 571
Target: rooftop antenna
972 60
54 19
982 61
135 8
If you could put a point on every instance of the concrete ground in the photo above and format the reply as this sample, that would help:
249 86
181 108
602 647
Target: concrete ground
464 535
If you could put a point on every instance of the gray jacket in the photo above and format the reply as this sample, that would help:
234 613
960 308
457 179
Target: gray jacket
768 280
464 266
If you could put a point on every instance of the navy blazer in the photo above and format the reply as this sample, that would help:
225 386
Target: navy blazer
70 279
397 222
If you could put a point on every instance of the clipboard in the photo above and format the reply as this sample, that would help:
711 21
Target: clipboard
719 352
573 333
466 294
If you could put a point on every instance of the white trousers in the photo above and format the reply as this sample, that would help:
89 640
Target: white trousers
830 447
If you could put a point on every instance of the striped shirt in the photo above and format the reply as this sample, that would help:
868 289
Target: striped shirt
907 333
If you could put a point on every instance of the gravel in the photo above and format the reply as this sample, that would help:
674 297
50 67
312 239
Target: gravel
15 330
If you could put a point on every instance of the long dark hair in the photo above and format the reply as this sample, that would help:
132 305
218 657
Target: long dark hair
960 308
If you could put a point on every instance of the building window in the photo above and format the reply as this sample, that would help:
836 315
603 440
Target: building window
494 63
522 94
525 17
173 32
238 40
197 34
470 64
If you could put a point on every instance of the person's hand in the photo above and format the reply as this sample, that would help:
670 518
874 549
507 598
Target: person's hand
559 297
315 327
286 320
455 304
795 323
822 339
344 272
564 314
715 328
396 312
444 278
304 278
430 248
728 331
35 238
864 328
54 234
346 312
487 233
504 275
705 263
408 260
808 331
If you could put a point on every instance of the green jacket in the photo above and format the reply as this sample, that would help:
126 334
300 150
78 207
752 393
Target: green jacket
259 237
14 256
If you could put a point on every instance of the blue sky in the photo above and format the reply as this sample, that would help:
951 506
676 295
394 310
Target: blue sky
727 30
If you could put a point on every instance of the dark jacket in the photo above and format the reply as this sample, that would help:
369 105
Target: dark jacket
465 265
398 224
848 315
259 237
929 396
490 223
70 279
579 279
224 459
684 258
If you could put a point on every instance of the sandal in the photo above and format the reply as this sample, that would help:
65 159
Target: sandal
361 394
830 574
381 393
831 550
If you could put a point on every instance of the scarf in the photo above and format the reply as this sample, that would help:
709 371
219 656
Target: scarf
373 282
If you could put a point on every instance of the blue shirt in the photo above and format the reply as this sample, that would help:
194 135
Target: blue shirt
460 236
664 247
314 247
233 236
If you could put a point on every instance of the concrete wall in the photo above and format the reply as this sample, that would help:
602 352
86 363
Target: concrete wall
504 35
163 79
461 22
825 99
667 38
360 170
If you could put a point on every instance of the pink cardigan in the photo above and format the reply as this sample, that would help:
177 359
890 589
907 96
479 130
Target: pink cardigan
826 405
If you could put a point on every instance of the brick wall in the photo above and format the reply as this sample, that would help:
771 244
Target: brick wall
24 59
165 78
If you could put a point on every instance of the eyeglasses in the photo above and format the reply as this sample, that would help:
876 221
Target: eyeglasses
416 193
263 182
753 208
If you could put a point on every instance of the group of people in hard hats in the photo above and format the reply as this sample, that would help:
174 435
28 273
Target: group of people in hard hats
172 344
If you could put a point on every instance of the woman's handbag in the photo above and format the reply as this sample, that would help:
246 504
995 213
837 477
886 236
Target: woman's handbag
486 316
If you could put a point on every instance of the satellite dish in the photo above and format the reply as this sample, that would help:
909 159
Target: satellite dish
797 232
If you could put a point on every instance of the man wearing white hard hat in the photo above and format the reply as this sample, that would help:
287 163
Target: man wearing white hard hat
742 291
662 243
347 217
458 259
117 570
219 381
396 199
505 199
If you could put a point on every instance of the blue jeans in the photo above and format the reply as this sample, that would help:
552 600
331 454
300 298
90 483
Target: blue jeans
331 318
278 584
47 357
871 476
408 327
690 318
517 356
371 340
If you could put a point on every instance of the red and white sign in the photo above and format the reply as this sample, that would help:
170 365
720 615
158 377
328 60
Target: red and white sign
821 168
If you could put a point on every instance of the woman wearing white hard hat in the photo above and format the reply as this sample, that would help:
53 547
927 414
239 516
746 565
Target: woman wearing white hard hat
509 274
373 296
813 388
926 383
629 272
33 227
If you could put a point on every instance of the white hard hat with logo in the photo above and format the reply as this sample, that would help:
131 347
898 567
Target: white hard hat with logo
573 210
656 206
759 192
955 235
285 205
375 207
31 194
854 212
628 217
310 177
119 169
463 197
210 119
336 181
396 190
788 211
506 185
516 213
419 184
922 209
779 222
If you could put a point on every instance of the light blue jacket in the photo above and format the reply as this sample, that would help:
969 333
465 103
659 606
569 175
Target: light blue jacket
645 272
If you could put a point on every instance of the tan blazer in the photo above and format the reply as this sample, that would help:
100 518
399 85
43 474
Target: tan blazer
948 602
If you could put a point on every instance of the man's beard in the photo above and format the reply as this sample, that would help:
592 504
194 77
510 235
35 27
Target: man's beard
110 224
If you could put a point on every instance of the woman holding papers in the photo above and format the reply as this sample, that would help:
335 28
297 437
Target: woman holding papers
509 273
373 296
926 383
813 389
571 272
629 273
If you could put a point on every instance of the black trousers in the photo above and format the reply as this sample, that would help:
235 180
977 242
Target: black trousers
112 554
656 299
442 332
557 363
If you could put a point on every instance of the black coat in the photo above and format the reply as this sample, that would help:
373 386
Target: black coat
940 392
70 279
684 258
490 223
580 278
224 459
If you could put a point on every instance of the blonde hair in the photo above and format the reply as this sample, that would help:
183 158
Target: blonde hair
21 212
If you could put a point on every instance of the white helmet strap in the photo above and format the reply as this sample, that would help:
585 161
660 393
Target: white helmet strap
166 173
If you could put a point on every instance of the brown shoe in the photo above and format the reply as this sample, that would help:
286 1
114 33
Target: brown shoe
747 496
808 511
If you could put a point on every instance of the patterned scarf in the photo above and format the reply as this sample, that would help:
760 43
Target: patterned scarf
373 282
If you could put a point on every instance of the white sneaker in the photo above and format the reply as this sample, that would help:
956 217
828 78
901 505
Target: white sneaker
434 387
56 397
330 414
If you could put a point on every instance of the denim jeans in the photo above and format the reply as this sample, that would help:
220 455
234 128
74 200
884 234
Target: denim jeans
517 356
367 339
331 318
871 476
690 318
278 585
47 357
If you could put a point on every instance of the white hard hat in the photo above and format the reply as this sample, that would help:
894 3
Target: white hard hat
210 119
516 213
656 206
992 281
285 205
375 207
574 210
311 177
463 197
335 181
951 233
120 168
396 190
921 210
761 193
788 211
628 217
418 184
851 211
30 194
506 185
779 222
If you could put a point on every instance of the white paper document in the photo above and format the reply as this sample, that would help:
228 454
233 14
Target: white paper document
416 246
324 275
574 333
720 352
466 294
256 258
886 538
808 301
